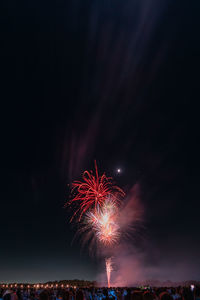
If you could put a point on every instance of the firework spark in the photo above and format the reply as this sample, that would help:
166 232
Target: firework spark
108 269
103 222
92 191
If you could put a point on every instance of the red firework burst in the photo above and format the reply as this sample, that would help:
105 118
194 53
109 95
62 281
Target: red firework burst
93 190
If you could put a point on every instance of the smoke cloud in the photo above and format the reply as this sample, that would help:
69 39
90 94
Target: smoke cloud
136 260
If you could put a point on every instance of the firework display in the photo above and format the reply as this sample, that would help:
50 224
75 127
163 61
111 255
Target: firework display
97 201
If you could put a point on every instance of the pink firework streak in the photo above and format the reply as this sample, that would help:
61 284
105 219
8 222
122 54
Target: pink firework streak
92 191
108 269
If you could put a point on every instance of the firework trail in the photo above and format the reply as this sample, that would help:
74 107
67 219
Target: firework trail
108 269
92 192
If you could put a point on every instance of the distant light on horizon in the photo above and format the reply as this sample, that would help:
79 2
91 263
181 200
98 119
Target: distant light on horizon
119 170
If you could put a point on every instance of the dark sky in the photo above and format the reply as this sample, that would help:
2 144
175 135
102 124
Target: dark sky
111 80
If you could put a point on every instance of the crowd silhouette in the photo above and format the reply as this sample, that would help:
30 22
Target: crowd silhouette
147 293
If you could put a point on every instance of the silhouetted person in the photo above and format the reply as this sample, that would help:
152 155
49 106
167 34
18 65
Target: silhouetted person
65 295
7 295
187 294
165 296
136 296
79 295
44 295
148 296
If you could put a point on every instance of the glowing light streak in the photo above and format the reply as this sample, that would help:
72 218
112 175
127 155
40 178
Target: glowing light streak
108 269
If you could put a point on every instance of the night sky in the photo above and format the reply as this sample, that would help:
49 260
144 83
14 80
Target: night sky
111 80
